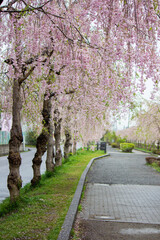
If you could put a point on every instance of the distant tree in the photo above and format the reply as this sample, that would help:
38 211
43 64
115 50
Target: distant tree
31 137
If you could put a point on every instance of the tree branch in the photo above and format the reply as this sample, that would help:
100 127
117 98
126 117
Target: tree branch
59 72
9 61
70 91
21 80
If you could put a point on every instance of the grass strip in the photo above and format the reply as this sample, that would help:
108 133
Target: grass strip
143 149
40 211
155 166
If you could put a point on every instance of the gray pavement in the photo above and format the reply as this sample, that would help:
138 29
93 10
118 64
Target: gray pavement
123 168
122 199
123 203
26 171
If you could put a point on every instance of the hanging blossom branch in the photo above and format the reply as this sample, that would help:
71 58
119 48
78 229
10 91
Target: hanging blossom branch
27 8
82 38
30 61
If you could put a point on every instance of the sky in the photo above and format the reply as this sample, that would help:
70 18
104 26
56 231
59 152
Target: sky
125 121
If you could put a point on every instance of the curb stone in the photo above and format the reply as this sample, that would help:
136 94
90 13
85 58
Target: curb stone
71 214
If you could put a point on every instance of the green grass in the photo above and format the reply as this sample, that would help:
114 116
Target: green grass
30 146
40 212
143 149
79 207
155 166
84 188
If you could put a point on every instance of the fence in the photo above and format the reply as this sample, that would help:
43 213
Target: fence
4 137
4 149
4 146
155 145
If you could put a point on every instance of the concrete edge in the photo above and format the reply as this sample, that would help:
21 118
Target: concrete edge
71 214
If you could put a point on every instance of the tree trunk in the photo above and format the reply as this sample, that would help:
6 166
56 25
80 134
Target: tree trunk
70 146
74 145
67 144
50 149
57 135
41 142
14 179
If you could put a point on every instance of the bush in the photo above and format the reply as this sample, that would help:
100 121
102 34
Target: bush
121 140
126 147
155 151
114 145
31 138
151 160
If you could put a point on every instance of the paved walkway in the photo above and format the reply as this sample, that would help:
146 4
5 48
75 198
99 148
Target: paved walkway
122 199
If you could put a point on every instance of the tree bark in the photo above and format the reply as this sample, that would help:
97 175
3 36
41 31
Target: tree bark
67 145
42 141
50 149
14 179
74 145
70 147
57 135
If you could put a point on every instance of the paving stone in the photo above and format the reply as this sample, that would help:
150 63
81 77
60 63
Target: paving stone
101 230
123 168
122 203
122 199
122 188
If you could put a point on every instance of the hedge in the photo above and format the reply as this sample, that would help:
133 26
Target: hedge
115 145
126 147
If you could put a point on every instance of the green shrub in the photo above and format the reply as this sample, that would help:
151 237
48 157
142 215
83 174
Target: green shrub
121 140
115 145
31 138
149 147
126 147
155 151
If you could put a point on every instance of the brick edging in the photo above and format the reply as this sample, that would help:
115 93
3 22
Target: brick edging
71 214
